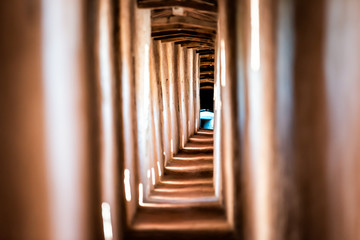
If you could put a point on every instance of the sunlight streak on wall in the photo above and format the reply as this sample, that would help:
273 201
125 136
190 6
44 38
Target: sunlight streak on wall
107 226
141 194
159 169
127 185
153 175
172 146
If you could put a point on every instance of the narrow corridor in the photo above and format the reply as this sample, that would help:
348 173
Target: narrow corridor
184 199
180 120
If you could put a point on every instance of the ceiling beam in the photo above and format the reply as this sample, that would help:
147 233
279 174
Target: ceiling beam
183 33
161 13
207 59
184 38
207 56
207 72
207 69
206 81
194 44
207 88
205 51
184 21
201 6
181 27
207 77
200 16
206 63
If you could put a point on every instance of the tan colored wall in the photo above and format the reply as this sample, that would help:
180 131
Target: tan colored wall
291 129
143 96
165 89
342 86
127 100
67 77
196 91
24 205
190 91
157 106
48 166
173 96
110 160
182 95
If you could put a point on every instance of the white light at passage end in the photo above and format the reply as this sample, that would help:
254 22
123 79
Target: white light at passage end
127 185
106 215
255 35
159 169
141 196
153 176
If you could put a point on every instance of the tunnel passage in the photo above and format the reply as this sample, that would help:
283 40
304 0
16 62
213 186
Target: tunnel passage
100 135
207 79
175 182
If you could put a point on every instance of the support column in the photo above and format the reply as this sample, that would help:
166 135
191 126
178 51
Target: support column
127 104
173 95
165 85
182 94
143 98
157 107
190 92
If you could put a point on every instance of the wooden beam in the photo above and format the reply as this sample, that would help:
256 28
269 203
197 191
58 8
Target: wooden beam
206 59
207 56
207 72
201 6
185 21
200 16
183 33
207 77
168 12
206 63
181 27
193 44
204 68
199 47
206 81
207 88
161 13
184 38
206 51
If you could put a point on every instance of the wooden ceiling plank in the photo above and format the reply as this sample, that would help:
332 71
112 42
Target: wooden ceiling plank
184 38
206 59
205 51
207 72
207 80
180 27
191 4
186 21
184 33
206 63
193 44
207 88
